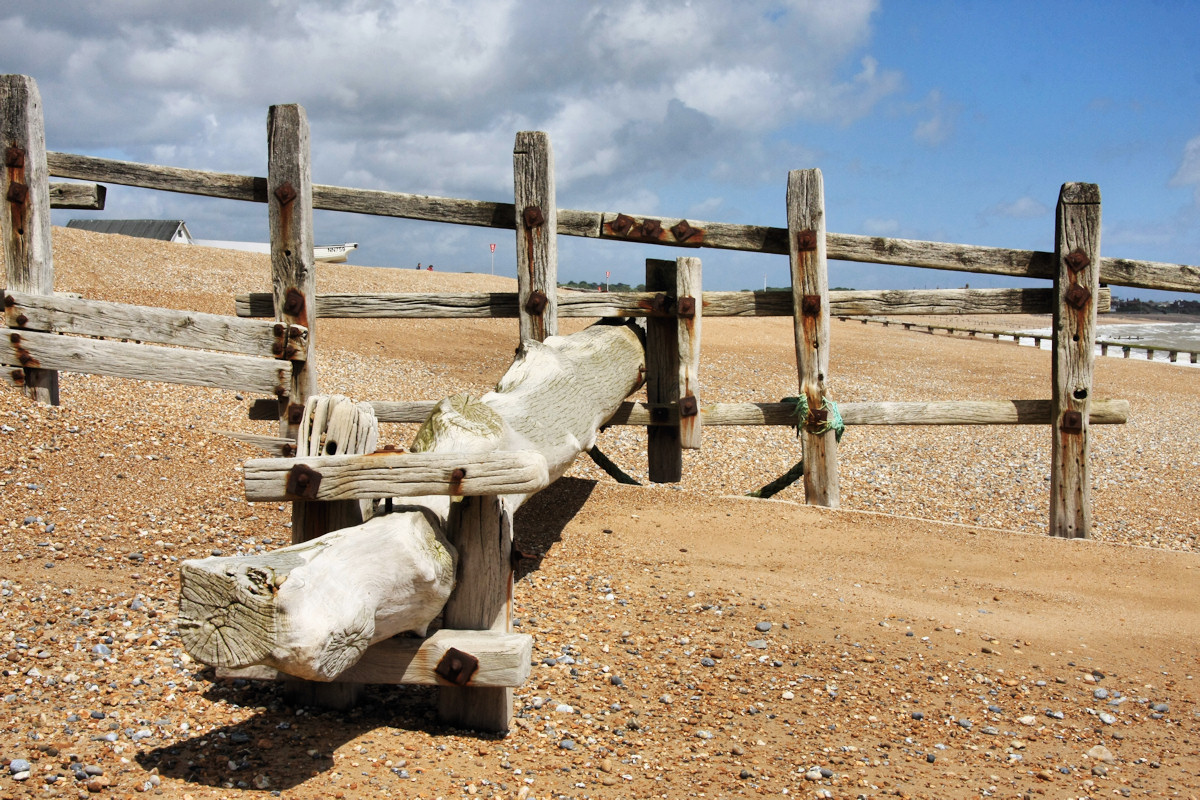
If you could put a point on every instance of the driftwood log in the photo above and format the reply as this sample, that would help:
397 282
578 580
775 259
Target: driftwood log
312 609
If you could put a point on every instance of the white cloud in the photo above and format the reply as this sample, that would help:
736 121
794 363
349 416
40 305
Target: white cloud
1188 173
938 121
881 227
1024 207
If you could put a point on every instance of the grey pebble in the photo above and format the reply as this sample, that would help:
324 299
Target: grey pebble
707 662
1100 694
1055 714
1107 719
102 650
918 715
758 644
762 627
617 680
567 744
19 765
1161 708
965 723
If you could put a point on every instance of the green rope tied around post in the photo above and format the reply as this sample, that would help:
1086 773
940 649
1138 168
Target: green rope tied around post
833 422
833 418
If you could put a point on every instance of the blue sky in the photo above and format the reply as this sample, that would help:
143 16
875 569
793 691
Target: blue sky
952 121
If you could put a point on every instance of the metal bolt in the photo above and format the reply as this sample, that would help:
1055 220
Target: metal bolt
533 217
660 414
683 231
688 407
17 192
458 474
806 240
18 376
661 304
457 667
622 224
1077 260
293 302
14 157
21 320
303 481
285 193
537 302
652 229
15 338
810 305
9 301
686 307
295 414
1072 422
1078 297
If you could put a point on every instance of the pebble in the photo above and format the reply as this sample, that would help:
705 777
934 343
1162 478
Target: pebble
1101 753
19 765
1107 719
762 627
757 644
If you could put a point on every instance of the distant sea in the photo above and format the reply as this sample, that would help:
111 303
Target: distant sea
1183 337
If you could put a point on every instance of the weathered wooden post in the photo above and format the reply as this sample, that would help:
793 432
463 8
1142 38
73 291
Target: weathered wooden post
537 235
25 221
810 292
480 528
664 448
689 308
293 274
1076 286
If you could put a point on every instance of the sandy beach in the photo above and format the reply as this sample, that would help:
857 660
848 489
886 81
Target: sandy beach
928 639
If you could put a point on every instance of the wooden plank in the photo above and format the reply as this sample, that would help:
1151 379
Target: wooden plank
58 314
85 196
465 305
481 530
689 298
504 660
664 451
285 448
537 235
598 224
25 207
293 270
146 362
366 477
810 292
942 412
1077 245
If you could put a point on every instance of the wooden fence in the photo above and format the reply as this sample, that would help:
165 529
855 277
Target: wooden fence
273 357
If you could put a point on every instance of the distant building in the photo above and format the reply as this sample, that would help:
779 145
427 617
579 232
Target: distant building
164 230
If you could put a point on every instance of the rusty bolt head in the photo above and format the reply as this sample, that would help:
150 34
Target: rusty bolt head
688 407
21 320
26 359
1077 260
810 305
277 349
683 231
17 192
661 304
285 193
293 302
458 474
1072 422
15 338
537 302
281 392
622 224
303 481
652 229
9 301
533 217
288 450
279 329
686 307
295 414
806 240
457 667
14 157
660 414
1078 297
18 376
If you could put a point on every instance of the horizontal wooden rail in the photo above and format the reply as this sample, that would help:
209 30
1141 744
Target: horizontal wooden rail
409 305
624 227
943 412
59 314
357 477
505 660
85 196
145 362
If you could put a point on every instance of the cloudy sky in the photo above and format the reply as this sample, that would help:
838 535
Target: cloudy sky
952 121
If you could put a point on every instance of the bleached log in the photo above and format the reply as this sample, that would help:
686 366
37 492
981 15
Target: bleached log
312 609
87 196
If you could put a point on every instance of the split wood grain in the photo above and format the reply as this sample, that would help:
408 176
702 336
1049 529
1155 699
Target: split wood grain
84 196
537 235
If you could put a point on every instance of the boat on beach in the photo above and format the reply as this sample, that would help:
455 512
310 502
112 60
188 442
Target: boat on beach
333 253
